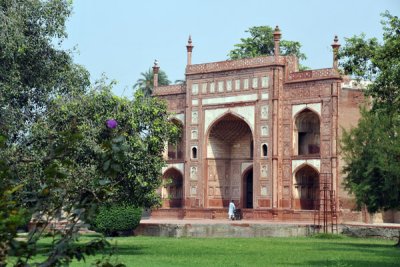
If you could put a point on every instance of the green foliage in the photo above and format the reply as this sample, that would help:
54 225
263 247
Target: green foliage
117 218
370 60
372 149
261 42
372 153
58 159
145 83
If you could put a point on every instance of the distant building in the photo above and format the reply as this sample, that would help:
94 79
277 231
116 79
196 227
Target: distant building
260 132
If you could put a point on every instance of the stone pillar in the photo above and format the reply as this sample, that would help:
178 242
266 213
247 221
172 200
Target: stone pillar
189 48
275 139
156 68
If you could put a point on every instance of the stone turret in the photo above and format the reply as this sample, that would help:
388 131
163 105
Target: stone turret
277 38
156 68
335 47
189 48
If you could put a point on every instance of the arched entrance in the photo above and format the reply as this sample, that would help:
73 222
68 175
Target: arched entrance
247 195
172 190
229 145
307 133
306 188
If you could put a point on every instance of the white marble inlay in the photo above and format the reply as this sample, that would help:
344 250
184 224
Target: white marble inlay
246 112
264 96
195 102
194 134
229 85
264 190
244 166
193 190
316 107
178 166
193 173
180 117
237 85
255 82
229 99
246 84
204 88
316 163
212 87
194 117
220 86
264 82
195 89
264 112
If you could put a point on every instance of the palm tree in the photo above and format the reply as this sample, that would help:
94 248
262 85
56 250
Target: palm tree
145 83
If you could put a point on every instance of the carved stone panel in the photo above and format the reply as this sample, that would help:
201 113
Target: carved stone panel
264 82
264 171
237 85
264 112
228 85
195 89
193 173
195 117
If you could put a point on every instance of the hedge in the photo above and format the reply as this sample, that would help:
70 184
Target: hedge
117 219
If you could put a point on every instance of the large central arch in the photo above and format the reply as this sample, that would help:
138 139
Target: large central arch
229 145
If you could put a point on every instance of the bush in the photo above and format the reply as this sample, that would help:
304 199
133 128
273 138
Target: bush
117 219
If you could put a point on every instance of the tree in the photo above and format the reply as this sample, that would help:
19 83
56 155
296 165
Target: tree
261 42
145 84
66 146
372 149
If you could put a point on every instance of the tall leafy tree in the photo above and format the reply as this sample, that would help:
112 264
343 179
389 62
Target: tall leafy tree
65 145
261 42
146 82
372 149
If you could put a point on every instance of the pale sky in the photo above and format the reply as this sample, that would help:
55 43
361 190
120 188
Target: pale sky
122 38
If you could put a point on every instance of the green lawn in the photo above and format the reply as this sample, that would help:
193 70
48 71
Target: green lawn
207 252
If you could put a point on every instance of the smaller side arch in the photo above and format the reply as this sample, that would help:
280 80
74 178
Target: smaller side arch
306 132
306 187
172 189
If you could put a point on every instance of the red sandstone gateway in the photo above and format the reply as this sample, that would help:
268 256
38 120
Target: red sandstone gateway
262 133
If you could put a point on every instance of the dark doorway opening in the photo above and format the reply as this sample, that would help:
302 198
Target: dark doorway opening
248 190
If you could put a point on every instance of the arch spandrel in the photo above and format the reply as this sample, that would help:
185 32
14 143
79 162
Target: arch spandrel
298 164
212 115
297 109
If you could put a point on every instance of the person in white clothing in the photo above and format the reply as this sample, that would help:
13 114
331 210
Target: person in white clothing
231 211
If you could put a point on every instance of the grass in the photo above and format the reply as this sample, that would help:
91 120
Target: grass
208 252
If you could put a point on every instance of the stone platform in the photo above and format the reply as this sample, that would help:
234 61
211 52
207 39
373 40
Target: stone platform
254 228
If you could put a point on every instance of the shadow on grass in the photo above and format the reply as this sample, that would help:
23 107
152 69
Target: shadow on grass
347 263
116 249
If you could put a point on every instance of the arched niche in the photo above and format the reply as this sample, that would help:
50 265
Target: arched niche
306 136
172 191
175 149
306 188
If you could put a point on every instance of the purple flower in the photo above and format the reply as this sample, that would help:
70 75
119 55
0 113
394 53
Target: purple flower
111 123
